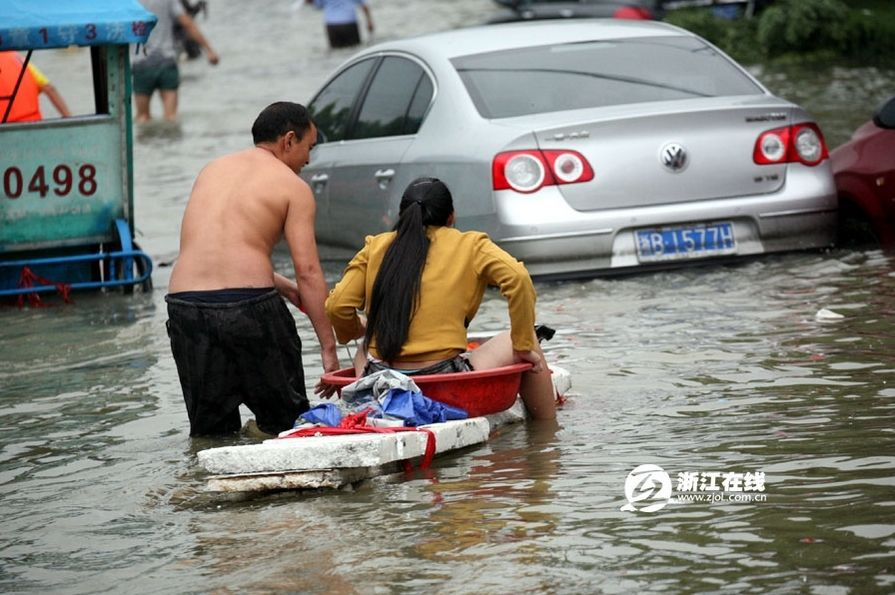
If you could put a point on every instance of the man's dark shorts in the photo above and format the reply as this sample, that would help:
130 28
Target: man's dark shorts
156 74
343 35
236 346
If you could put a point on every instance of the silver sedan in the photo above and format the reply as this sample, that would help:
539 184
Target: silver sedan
579 146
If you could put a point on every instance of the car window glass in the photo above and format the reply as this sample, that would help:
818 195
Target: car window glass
594 74
385 108
331 109
421 99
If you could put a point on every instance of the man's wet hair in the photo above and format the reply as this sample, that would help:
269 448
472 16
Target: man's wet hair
279 118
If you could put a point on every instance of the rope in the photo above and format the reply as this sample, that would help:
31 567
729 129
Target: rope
28 279
355 423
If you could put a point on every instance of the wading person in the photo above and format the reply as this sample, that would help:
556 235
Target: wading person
155 63
421 285
340 17
232 336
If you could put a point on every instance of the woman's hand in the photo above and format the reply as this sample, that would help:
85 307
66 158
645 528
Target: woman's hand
532 357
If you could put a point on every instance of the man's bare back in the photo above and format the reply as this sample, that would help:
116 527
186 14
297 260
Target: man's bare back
240 206
236 214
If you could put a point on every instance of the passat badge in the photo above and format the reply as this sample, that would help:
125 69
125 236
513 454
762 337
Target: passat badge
674 157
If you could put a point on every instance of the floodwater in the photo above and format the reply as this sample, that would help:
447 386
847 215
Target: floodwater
702 372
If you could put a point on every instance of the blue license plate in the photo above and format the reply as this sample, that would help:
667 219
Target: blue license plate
691 241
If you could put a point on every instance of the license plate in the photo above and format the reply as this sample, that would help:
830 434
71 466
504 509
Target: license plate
691 241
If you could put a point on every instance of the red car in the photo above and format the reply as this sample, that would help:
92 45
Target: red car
864 170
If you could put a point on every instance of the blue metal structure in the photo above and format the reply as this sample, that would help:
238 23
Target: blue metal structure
66 185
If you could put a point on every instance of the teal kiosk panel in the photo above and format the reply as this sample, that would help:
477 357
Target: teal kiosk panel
66 184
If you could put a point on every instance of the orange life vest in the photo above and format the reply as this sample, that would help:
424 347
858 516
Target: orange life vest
26 107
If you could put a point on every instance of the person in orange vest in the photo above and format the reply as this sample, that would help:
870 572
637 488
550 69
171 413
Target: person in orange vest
26 106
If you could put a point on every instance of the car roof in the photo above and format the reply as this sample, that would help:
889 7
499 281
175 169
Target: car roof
488 38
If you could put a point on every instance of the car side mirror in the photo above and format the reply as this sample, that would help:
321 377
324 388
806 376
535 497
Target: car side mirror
885 115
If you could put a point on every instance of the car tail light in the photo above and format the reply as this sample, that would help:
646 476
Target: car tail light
528 171
800 143
633 12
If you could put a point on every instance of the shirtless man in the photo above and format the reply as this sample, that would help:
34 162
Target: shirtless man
232 336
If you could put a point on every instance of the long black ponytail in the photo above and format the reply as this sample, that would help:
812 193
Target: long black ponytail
396 291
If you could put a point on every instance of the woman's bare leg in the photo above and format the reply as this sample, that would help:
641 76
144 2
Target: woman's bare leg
493 353
537 392
536 389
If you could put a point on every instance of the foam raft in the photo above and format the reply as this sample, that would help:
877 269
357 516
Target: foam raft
336 461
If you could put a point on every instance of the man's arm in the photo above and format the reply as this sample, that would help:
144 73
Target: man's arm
369 16
288 289
56 99
43 83
312 290
189 25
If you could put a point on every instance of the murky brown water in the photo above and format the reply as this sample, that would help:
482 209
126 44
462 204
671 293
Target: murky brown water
717 369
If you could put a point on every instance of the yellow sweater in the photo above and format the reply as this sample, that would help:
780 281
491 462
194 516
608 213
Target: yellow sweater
459 266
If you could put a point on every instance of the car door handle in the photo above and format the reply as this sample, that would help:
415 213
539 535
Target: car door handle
384 174
318 183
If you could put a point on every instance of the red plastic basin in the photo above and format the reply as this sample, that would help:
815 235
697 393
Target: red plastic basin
481 392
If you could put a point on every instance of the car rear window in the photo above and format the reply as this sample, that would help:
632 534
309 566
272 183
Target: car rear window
552 78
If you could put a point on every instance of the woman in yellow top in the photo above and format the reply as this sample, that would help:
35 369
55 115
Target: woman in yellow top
420 287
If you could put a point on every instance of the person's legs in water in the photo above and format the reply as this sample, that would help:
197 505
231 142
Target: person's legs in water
144 85
266 351
206 376
536 390
169 104
141 102
168 84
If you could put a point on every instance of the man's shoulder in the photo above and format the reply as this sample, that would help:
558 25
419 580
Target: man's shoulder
247 169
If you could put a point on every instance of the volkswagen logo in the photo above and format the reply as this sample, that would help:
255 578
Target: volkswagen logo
674 157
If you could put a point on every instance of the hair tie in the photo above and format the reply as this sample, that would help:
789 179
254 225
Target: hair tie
419 202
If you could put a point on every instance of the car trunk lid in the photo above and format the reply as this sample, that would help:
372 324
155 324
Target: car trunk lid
665 154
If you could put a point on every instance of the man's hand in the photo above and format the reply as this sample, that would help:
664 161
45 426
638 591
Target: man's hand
330 364
288 289
324 390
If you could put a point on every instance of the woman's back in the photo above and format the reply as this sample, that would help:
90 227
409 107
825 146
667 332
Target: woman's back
459 266
420 287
